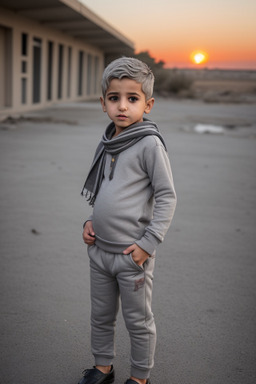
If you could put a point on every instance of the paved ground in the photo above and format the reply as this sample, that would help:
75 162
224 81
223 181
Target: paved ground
204 293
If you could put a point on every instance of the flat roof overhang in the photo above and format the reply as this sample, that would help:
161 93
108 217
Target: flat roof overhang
75 19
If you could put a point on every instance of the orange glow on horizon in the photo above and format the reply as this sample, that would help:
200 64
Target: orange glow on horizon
199 57
181 58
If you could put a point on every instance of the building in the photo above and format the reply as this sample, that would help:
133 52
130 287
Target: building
53 51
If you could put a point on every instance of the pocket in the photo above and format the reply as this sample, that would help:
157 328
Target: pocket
139 267
89 249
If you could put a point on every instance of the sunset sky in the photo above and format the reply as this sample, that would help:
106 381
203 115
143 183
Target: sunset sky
172 29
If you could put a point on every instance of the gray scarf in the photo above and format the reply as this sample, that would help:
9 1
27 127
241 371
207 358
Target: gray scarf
114 145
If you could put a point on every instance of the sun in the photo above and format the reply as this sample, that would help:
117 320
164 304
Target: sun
199 57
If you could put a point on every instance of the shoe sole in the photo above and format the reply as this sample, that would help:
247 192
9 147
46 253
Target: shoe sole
109 381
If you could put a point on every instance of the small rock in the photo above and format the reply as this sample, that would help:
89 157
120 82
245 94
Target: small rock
35 232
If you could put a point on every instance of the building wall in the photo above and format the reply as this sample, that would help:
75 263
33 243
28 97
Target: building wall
40 66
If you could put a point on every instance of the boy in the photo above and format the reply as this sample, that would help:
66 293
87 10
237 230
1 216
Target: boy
131 188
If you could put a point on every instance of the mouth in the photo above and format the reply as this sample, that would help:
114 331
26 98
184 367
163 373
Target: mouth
122 117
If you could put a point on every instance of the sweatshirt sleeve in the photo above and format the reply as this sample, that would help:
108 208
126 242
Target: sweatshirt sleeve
89 219
158 167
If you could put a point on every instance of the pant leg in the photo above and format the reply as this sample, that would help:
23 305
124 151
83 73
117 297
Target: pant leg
104 305
135 285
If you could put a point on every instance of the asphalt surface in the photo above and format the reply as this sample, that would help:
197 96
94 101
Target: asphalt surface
205 276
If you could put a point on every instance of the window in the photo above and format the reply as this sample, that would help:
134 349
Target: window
69 71
60 71
23 66
23 90
89 74
37 54
49 72
96 75
6 62
80 72
24 44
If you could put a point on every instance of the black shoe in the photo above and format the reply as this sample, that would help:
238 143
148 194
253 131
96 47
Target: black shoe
130 381
95 376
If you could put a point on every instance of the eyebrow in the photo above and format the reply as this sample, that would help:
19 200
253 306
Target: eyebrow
128 93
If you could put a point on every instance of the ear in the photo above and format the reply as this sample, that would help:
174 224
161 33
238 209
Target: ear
149 105
103 104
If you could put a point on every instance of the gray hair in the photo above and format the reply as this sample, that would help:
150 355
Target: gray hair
130 68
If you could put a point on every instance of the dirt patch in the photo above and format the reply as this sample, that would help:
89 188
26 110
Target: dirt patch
219 86
229 91
11 122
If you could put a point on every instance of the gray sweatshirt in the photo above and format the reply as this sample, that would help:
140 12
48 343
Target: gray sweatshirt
138 204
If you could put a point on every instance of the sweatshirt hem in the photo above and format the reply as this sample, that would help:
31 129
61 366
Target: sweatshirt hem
112 247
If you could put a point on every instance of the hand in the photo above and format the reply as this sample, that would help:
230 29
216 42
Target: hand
88 233
138 254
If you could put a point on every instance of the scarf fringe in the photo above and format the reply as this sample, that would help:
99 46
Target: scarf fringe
90 197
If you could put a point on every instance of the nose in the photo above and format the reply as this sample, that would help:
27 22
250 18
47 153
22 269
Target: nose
122 105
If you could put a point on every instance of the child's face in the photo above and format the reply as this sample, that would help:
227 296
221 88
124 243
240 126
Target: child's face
125 103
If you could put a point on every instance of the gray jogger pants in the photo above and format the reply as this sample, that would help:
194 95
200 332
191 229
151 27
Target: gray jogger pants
114 276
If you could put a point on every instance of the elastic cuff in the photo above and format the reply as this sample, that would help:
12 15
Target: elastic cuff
103 360
139 373
148 242
90 219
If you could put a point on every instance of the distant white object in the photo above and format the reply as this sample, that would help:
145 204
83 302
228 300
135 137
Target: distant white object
206 128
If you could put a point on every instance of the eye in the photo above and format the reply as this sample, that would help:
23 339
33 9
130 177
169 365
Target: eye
113 98
133 99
